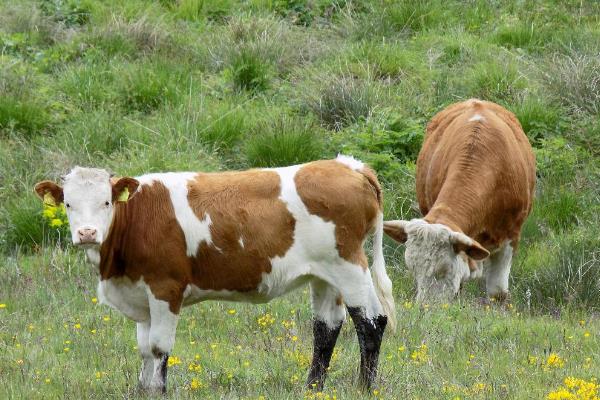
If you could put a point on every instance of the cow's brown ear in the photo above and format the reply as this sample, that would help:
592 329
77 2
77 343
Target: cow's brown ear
49 192
396 230
472 248
124 189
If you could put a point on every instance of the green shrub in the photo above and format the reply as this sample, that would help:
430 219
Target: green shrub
24 116
556 160
89 85
496 81
390 60
285 141
341 100
146 87
248 71
538 118
22 109
223 127
522 35
27 228
69 12
414 16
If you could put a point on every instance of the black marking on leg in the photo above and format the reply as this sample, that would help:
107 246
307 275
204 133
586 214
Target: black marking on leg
370 334
163 371
324 342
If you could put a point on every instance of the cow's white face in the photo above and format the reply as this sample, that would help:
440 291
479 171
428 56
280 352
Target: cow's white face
433 255
89 197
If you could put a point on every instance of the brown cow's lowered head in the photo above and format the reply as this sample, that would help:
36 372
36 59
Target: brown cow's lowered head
89 195
433 256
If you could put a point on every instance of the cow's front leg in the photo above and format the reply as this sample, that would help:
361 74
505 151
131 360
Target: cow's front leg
143 340
163 324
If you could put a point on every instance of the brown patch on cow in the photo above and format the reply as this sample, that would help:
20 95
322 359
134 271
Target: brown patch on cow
339 301
349 199
146 240
241 205
477 177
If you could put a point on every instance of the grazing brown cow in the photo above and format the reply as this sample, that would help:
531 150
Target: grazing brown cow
475 186
163 241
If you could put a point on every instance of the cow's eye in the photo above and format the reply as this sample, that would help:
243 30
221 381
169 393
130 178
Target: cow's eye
68 205
106 203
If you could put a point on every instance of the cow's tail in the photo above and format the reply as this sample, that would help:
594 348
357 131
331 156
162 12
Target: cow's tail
383 283
381 280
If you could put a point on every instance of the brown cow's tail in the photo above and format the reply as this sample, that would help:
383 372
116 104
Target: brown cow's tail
381 280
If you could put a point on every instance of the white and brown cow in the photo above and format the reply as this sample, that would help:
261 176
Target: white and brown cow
475 187
163 241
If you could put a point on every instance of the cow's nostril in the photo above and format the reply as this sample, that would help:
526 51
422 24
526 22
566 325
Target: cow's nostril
87 234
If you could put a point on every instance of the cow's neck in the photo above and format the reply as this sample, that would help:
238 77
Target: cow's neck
110 254
453 218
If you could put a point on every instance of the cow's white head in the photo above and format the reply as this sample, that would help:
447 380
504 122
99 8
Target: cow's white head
433 255
89 196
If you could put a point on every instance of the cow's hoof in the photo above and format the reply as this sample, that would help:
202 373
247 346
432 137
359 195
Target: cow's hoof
500 297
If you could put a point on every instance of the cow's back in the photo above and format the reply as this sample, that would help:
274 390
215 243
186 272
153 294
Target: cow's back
476 170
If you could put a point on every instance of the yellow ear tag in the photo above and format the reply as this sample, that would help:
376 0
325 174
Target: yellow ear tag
124 196
49 199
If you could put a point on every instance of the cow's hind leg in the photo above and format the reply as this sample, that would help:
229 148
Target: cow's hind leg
357 289
161 338
143 340
498 272
329 315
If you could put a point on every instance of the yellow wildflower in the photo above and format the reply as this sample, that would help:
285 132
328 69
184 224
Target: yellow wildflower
77 326
266 320
420 355
231 311
195 384
173 360
554 361
2 305
56 223
94 300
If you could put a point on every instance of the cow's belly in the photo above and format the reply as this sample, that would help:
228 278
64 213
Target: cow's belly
130 298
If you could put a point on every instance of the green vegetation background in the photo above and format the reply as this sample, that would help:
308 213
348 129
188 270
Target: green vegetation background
144 86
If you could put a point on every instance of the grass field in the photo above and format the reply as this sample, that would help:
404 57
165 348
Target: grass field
143 86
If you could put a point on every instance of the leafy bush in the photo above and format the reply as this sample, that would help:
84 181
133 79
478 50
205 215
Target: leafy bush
248 71
27 228
341 100
521 34
496 81
223 128
20 109
146 87
539 119
285 141
69 12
